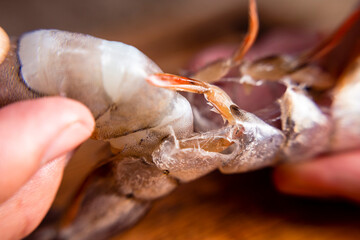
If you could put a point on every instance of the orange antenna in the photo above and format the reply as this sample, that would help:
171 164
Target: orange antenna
216 70
251 35
332 41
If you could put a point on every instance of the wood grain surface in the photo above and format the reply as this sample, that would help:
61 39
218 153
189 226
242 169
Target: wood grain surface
244 206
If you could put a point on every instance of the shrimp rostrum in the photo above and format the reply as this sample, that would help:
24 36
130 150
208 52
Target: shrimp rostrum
158 139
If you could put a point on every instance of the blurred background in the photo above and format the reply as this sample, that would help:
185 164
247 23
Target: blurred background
243 206
169 31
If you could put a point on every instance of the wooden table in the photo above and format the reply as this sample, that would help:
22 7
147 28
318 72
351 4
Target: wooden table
244 206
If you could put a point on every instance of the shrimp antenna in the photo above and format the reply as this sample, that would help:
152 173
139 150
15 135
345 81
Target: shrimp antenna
251 34
218 69
332 41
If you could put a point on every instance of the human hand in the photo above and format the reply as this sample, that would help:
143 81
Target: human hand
336 175
4 44
37 137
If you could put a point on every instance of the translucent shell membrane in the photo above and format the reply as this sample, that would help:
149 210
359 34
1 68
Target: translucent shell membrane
109 78
306 129
346 109
246 143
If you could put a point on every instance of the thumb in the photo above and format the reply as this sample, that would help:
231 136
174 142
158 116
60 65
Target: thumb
34 132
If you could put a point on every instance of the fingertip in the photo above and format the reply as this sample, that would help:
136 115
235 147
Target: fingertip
82 113
336 175
296 179
35 132
4 44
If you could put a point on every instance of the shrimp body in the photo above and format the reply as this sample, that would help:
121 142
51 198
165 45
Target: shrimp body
131 115
109 78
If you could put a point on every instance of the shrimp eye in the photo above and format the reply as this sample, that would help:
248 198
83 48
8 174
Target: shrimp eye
235 110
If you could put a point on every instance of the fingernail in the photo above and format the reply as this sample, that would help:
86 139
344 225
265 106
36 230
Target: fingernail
67 140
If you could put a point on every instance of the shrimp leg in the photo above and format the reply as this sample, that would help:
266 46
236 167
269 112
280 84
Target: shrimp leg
111 199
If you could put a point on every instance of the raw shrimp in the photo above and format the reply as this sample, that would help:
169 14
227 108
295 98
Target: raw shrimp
150 128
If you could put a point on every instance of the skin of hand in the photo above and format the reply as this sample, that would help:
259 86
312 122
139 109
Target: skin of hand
4 44
36 138
336 175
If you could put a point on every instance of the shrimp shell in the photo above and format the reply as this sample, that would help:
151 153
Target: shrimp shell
108 77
